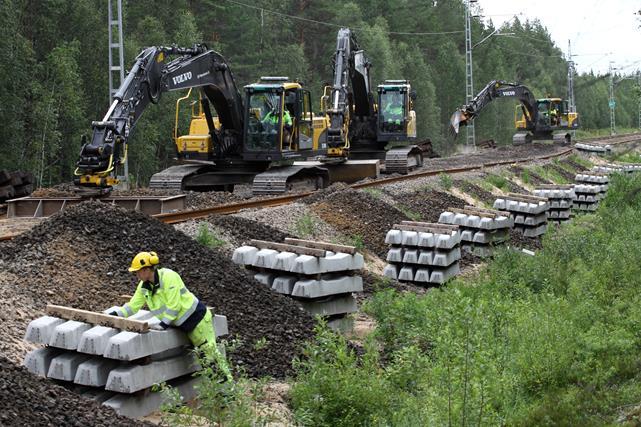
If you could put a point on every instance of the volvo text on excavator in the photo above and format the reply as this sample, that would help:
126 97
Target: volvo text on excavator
271 129
534 119
361 128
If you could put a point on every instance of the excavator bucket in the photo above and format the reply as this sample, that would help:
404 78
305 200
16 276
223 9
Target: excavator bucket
457 120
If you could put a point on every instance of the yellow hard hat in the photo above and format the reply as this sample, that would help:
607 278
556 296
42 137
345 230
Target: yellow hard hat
142 260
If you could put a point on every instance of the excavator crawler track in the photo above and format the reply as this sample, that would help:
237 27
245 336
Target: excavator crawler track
403 159
172 178
290 178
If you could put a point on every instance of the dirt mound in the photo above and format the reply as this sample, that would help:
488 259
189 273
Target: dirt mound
475 191
79 258
430 204
360 216
325 193
28 400
241 230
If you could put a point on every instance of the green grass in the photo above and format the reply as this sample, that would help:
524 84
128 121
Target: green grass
206 237
550 175
445 181
374 192
628 157
498 181
591 133
305 226
551 339
414 216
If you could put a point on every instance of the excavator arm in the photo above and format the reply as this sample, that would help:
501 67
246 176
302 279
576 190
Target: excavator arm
150 76
350 93
495 89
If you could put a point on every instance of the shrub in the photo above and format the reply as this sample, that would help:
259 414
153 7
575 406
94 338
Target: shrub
445 181
206 237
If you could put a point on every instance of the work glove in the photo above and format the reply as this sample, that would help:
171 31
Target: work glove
158 326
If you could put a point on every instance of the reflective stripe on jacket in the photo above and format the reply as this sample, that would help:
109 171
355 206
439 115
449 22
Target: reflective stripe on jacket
172 303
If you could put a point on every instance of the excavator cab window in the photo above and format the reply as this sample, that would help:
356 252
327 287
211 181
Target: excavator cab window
305 127
391 111
264 119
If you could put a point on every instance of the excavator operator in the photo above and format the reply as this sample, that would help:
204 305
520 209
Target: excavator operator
167 297
393 112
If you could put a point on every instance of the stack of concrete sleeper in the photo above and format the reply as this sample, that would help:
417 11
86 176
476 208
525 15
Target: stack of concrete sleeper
321 276
561 198
481 229
423 253
529 212
590 187
118 368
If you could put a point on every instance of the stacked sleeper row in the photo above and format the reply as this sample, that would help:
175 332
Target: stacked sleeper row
322 280
593 148
589 189
480 229
423 252
117 368
617 168
561 199
530 213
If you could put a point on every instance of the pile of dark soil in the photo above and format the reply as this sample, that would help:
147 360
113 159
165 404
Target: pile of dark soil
80 256
242 230
534 178
475 191
517 240
429 204
325 193
28 400
358 214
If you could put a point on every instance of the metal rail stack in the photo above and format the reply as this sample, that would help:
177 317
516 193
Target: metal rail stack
112 360
530 213
481 229
590 188
423 253
561 198
321 276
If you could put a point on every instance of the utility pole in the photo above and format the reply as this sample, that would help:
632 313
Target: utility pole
639 93
612 102
571 72
116 69
469 80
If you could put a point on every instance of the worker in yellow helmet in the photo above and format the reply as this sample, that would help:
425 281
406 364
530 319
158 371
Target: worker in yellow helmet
167 297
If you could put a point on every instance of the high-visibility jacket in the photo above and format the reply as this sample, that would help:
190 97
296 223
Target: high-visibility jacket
168 299
273 118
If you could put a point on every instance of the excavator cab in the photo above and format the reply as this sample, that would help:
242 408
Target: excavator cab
279 123
396 115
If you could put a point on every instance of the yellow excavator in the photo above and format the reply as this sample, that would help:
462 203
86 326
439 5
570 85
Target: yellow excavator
265 131
534 119
362 127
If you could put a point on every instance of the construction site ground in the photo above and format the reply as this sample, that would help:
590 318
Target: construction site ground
79 258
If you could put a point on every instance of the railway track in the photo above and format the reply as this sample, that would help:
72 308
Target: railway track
177 217
230 208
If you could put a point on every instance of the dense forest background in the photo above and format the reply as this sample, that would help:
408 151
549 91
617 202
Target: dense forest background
54 61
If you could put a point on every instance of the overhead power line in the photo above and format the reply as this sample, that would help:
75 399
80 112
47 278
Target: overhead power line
329 24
